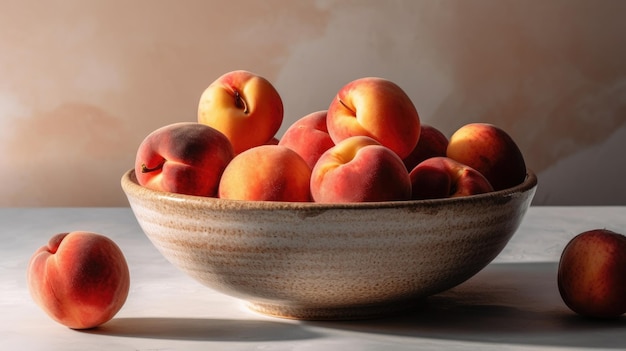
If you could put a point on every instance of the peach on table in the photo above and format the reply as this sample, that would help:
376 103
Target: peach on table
592 274
80 279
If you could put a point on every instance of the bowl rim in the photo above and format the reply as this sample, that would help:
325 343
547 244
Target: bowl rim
131 186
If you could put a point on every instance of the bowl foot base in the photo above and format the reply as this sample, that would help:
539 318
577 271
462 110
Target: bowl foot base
335 313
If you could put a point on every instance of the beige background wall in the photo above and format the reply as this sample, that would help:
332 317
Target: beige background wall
82 82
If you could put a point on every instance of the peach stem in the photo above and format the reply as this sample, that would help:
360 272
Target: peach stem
346 106
240 102
145 169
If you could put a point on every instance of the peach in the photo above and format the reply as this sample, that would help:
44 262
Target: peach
266 173
432 143
377 108
491 151
359 169
592 274
185 158
80 279
308 136
442 177
244 106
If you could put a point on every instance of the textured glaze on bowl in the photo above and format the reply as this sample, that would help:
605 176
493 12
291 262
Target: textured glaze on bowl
329 261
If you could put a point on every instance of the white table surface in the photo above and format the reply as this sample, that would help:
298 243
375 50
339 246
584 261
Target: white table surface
513 304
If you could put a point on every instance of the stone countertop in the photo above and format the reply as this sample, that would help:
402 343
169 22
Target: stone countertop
513 304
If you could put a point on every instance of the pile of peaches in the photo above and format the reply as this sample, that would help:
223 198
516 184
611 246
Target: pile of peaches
368 145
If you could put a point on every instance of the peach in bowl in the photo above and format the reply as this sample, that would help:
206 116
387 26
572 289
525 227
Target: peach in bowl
317 261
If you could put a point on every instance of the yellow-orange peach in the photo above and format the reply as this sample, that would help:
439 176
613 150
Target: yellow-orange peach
377 108
442 177
308 136
80 279
185 158
432 143
359 169
266 173
244 106
491 151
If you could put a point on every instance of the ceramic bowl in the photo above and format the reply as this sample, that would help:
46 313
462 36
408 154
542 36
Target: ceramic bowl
317 261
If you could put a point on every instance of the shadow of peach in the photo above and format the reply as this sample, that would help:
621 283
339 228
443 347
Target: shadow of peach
512 303
203 329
